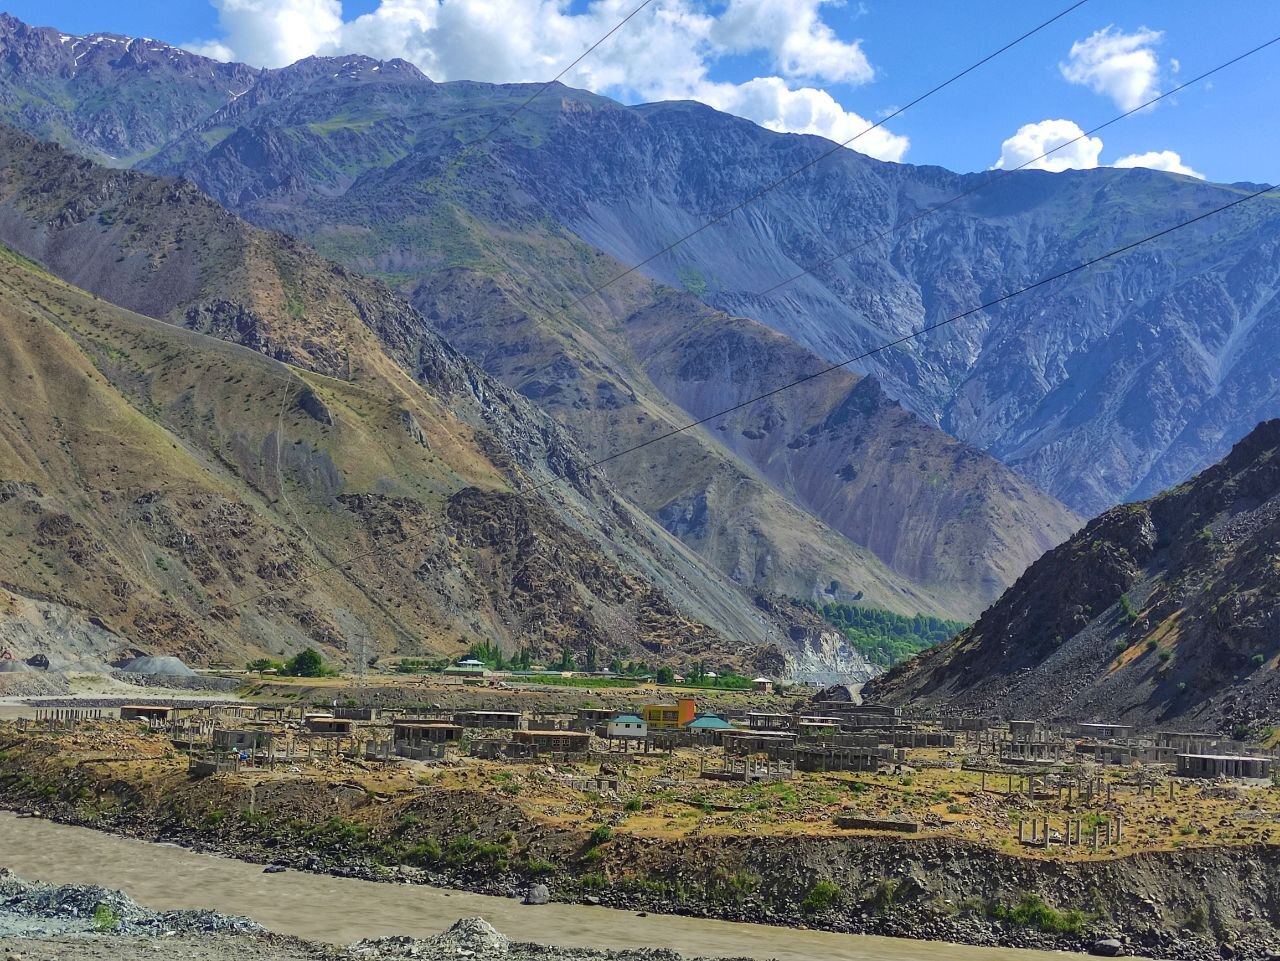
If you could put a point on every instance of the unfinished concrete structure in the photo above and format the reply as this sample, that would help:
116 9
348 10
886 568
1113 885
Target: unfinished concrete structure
327 724
555 742
1234 766
491 720
765 721
423 740
151 713
1098 731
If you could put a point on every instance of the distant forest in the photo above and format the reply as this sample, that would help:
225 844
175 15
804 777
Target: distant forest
883 637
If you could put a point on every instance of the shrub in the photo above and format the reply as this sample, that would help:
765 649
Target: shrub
600 835
822 896
308 663
634 804
106 919
1032 912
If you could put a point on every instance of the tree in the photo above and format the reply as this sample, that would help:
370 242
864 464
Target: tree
263 664
306 663
615 666
592 657
665 675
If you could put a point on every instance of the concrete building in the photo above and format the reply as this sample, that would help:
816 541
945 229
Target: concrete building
423 740
242 741
1104 732
496 720
762 685
626 727
669 717
145 712
1225 766
1025 731
327 724
762 721
555 742
590 718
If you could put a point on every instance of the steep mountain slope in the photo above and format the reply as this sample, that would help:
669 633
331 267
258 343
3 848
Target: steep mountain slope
1106 387
1160 610
167 249
932 508
156 482
494 275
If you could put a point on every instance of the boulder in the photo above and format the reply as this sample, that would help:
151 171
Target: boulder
537 894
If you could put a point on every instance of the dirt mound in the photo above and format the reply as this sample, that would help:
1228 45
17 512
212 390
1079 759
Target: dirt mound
156 666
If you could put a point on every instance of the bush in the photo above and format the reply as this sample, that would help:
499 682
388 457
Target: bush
600 835
308 663
106 919
1032 912
822 896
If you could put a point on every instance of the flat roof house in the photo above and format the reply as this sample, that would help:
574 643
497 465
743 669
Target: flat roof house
145 712
669 717
556 742
1224 765
1105 732
500 720
327 724
762 685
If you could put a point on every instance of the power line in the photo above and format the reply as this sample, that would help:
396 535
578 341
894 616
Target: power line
932 327
808 377
835 148
1012 170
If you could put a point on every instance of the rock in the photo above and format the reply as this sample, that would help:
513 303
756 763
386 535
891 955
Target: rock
274 869
1107 948
537 894
591 899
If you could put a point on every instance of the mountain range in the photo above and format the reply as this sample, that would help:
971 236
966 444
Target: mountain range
355 156
914 481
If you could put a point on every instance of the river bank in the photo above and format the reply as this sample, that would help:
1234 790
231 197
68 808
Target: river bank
78 922
460 828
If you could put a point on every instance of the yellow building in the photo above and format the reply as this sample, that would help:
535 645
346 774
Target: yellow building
669 717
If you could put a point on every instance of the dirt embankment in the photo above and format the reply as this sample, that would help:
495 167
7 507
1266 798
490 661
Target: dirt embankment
1193 903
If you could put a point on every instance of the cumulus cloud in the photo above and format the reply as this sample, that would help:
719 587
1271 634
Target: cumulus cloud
666 52
1168 160
801 45
1119 65
1034 139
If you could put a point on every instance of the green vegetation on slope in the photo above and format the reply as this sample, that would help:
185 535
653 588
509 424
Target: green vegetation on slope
883 637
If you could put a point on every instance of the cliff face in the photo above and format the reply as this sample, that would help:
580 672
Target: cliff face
1159 610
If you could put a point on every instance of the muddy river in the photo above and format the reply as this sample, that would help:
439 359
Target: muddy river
342 910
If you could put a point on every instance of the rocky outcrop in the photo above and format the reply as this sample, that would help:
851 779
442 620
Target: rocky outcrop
1155 611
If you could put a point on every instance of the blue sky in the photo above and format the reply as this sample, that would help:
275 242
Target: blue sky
809 65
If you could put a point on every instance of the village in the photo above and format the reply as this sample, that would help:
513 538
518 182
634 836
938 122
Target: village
808 762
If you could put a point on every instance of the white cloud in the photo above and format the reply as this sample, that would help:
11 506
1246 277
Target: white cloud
273 32
1168 160
801 45
665 52
1034 139
771 103
1122 66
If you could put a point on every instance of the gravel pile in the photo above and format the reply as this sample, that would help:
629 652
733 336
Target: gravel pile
33 908
156 666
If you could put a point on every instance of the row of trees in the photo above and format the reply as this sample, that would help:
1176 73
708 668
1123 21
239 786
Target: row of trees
885 638
306 663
